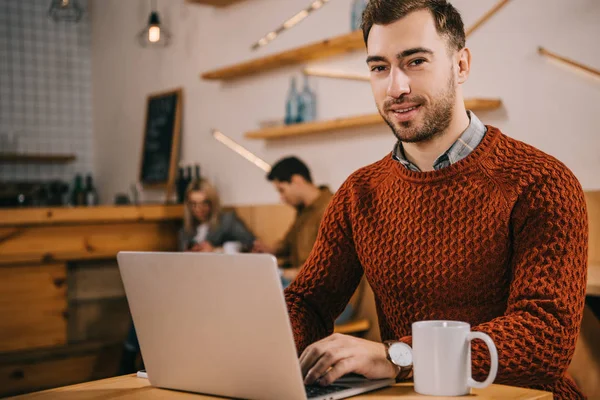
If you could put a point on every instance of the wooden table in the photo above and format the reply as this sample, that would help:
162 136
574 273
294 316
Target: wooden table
130 387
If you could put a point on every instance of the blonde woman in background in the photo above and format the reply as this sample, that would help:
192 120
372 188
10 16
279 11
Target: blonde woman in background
205 227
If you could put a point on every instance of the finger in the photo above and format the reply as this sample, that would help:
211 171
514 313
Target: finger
312 353
340 369
324 364
309 357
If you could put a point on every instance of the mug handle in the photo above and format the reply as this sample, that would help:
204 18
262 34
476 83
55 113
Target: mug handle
494 358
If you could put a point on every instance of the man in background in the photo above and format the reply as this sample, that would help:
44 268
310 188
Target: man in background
293 180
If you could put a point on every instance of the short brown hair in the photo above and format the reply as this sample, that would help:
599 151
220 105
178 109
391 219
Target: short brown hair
448 21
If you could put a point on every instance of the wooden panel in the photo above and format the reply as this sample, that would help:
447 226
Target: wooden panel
593 206
37 158
105 320
44 243
593 281
32 307
215 3
33 301
350 122
23 378
325 48
95 280
89 215
129 387
57 367
269 222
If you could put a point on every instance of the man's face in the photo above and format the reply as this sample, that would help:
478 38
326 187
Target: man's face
288 192
413 76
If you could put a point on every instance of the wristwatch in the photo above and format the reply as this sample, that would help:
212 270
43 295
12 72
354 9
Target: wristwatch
399 354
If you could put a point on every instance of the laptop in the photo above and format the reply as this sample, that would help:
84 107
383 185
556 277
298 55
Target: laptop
218 324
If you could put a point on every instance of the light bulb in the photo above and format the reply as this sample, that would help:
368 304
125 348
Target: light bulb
154 34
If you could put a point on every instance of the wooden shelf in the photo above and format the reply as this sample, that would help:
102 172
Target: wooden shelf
326 48
215 3
350 122
37 158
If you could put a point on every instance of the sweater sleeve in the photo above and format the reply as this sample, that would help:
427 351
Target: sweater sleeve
329 277
536 337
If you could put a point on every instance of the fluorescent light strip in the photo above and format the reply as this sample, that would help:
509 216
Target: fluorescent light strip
242 151
289 24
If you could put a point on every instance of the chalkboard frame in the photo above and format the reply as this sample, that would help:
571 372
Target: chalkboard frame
178 92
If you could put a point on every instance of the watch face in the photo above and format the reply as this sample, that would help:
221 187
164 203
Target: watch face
401 354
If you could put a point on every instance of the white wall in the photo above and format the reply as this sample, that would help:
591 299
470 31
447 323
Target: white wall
545 104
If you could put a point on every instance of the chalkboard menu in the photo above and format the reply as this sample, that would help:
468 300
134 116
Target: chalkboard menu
161 139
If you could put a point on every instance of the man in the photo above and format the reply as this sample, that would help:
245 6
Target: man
292 179
459 222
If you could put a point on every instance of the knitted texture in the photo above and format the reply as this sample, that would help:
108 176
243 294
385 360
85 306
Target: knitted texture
498 240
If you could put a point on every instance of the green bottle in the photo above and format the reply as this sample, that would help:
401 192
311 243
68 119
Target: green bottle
78 194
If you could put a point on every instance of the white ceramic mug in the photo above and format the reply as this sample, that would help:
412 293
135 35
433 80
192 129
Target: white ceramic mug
442 358
232 247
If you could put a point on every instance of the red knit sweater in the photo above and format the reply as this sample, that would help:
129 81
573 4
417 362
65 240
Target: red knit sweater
498 239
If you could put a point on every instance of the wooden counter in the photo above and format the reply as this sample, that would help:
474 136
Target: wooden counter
100 214
62 306
62 234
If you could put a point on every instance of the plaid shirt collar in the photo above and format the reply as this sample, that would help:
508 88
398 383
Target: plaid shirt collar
463 146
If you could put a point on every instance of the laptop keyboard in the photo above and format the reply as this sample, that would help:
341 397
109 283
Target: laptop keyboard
317 391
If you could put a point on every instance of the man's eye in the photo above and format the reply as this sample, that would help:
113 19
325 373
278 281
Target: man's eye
417 62
378 68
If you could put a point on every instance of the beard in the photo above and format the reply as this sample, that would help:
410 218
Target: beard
436 118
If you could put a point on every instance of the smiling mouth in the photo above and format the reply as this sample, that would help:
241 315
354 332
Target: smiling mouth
405 110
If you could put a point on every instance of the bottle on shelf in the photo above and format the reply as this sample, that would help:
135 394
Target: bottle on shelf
78 194
189 175
292 104
307 103
91 195
181 185
197 169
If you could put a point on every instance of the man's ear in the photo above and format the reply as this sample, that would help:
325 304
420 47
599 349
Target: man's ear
295 179
463 60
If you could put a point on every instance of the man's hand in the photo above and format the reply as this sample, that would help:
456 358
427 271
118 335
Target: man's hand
204 247
329 359
260 247
195 247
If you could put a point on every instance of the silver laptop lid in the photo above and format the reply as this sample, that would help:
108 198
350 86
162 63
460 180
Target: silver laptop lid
213 323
